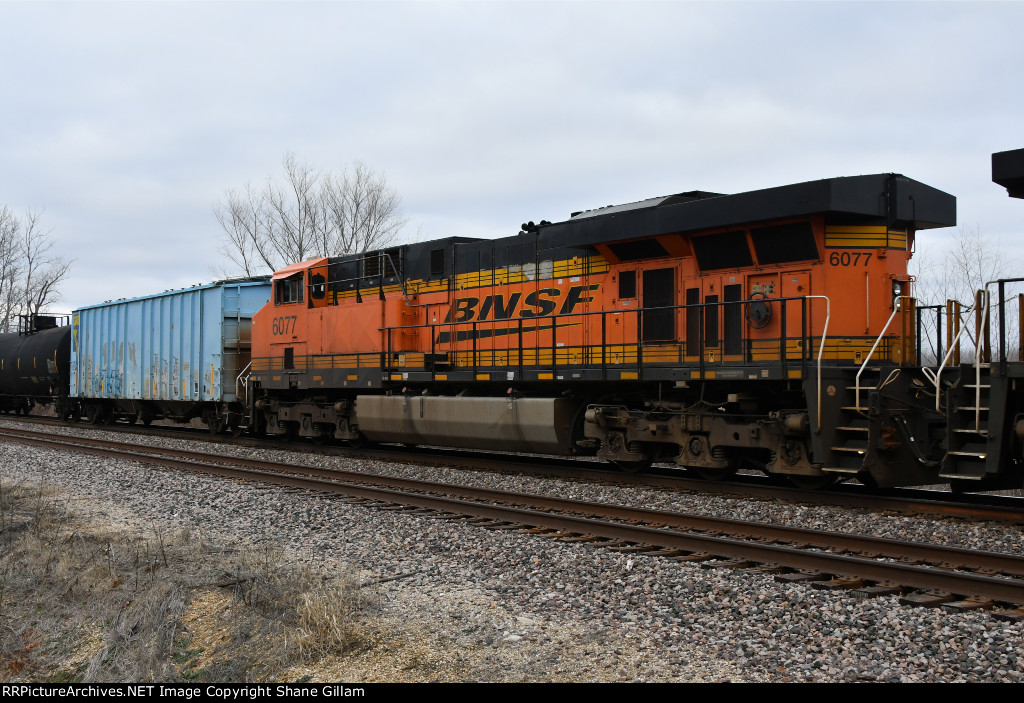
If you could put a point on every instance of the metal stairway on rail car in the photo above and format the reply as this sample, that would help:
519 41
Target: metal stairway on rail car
854 432
888 437
973 449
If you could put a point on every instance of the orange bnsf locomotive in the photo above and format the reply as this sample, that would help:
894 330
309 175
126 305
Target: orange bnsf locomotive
772 329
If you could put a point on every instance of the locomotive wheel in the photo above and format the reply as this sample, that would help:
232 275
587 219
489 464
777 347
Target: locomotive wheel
323 434
866 479
709 473
360 442
633 467
286 431
957 486
813 483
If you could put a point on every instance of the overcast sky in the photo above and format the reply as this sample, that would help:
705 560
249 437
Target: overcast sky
127 122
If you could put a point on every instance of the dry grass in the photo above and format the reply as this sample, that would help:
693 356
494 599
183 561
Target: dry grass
79 603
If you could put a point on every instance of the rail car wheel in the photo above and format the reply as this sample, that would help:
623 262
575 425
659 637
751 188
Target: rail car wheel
66 412
132 419
813 483
95 414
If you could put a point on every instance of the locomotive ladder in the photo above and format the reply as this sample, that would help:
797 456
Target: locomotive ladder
968 436
972 452
855 434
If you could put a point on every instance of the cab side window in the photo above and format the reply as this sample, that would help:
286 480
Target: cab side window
288 290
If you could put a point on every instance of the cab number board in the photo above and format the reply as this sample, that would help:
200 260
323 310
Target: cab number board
285 325
848 258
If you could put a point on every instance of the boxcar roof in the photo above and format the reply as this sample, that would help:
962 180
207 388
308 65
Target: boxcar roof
254 280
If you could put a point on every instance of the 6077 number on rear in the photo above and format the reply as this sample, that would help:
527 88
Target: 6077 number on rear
285 325
849 258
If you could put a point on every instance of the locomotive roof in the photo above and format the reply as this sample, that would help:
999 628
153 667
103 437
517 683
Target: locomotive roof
891 198
649 202
888 198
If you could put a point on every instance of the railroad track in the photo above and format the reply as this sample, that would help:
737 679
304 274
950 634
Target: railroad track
909 501
924 574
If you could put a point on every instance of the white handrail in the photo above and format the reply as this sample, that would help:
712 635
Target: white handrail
821 347
984 302
937 376
244 395
895 311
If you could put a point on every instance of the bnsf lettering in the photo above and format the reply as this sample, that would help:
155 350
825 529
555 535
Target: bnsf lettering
538 303
501 311
542 301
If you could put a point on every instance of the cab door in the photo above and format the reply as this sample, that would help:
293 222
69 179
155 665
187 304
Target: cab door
707 321
797 284
659 291
732 319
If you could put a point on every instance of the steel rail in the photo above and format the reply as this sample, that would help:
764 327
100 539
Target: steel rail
878 546
913 501
911 575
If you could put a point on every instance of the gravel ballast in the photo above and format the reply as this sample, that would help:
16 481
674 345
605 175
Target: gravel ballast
487 605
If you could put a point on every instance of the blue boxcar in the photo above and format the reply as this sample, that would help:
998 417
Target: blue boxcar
175 355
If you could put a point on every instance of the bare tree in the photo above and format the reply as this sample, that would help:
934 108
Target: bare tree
973 260
306 214
30 274
242 218
10 266
42 271
363 212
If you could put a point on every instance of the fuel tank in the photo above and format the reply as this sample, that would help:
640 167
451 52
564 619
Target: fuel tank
540 425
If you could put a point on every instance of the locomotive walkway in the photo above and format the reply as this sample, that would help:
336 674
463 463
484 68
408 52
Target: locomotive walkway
926 573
